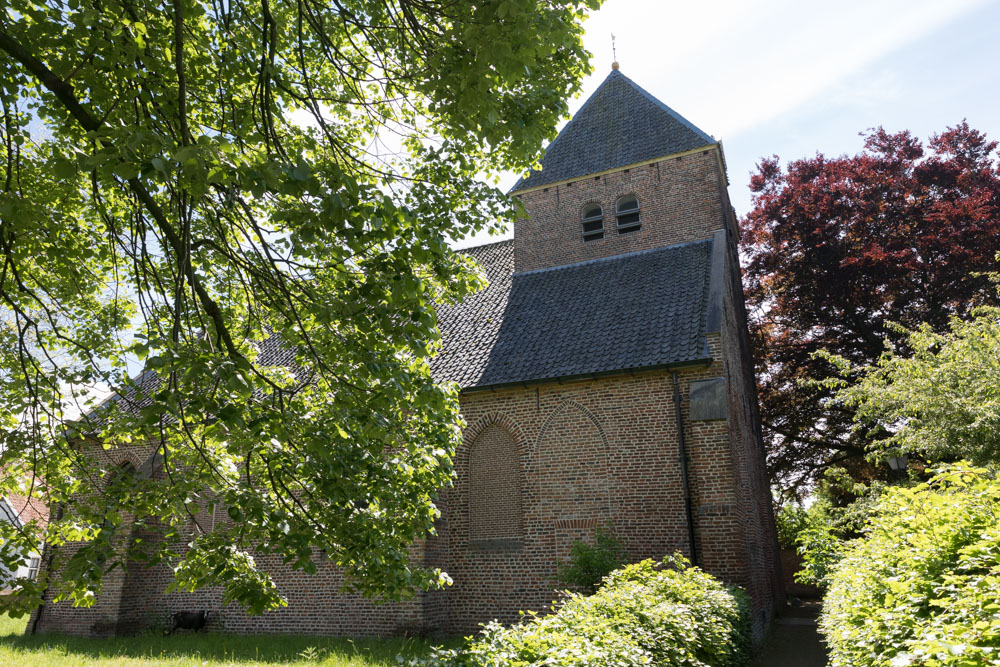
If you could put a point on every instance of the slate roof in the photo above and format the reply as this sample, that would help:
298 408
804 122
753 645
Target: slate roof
639 310
620 124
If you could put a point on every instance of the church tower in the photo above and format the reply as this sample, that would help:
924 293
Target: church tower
606 372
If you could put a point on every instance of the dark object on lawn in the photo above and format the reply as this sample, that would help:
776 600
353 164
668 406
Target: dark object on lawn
188 620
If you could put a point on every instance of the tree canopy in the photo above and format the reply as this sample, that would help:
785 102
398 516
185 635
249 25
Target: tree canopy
940 400
200 183
836 248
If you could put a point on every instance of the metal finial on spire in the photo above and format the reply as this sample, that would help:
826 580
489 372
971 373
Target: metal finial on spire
614 52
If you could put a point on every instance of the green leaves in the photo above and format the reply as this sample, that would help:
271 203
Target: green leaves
647 613
921 587
940 399
252 209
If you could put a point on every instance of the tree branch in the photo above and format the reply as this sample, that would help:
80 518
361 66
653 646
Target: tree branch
66 95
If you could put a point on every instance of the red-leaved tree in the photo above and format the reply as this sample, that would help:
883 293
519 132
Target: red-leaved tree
835 248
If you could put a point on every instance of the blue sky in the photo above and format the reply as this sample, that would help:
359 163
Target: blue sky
795 78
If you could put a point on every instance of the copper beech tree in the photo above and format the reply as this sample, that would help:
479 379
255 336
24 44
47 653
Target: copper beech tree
837 247
254 200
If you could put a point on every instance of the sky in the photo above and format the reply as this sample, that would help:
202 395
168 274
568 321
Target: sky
793 78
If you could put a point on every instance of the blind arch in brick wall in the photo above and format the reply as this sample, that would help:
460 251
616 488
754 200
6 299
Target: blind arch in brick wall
495 491
571 465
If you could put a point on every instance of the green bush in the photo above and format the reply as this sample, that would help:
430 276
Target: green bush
840 510
589 564
648 613
922 587
790 520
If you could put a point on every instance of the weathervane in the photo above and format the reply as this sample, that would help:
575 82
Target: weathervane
614 52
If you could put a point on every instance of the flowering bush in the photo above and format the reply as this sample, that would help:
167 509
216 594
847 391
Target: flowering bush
922 587
647 613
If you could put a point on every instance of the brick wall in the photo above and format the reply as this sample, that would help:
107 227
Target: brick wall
583 453
678 199
591 452
751 484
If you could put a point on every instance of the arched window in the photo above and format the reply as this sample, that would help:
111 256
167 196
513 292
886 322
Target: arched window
494 486
627 213
593 222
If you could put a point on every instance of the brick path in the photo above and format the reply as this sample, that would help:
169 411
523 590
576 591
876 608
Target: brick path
794 641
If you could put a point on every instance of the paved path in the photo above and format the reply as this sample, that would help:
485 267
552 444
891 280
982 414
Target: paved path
794 640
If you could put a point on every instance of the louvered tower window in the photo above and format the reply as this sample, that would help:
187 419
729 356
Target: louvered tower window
593 222
627 213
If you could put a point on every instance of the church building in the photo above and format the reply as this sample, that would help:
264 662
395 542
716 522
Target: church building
606 381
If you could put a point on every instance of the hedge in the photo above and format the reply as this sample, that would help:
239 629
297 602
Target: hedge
922 587
648 613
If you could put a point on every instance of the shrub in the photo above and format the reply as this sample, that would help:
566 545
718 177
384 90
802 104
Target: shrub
922 587
648 613
840 509
790 520
589 564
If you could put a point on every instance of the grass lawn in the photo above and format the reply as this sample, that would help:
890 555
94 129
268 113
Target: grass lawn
201 650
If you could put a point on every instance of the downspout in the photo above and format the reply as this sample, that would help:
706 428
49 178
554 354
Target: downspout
682 452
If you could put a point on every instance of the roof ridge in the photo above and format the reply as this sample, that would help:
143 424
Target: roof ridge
619 124
674 114
610 258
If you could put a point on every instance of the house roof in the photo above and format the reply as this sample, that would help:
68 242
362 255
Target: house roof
620 124
19 509
640 310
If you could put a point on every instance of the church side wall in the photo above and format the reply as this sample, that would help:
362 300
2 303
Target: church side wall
678 200
132 601
600 451
596 452
764 580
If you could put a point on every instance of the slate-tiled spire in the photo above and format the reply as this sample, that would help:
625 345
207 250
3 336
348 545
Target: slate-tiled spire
621 124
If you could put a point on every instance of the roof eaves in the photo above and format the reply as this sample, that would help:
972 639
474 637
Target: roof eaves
702 361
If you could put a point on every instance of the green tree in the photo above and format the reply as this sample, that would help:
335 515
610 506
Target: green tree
255 201
940 399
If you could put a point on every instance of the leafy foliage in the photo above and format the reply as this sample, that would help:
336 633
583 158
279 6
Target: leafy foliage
922 586
940 399
589 564
255 201
837 247
790 520
838 513
665 613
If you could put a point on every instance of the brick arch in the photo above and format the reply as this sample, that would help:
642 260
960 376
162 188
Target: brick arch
489 419
495 492
120 459
565 405
572 469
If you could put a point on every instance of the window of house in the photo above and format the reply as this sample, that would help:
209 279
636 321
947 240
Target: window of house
33 565
593 222
627 213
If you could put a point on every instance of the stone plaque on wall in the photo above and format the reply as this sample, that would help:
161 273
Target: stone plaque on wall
708 399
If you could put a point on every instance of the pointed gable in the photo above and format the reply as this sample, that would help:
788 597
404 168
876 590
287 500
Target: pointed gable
621 124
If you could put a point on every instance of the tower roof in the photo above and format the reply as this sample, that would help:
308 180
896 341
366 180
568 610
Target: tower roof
620 124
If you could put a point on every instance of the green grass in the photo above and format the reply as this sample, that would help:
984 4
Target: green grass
201 650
